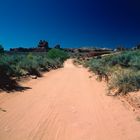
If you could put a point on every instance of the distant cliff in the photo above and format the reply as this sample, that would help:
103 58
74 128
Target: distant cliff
41 47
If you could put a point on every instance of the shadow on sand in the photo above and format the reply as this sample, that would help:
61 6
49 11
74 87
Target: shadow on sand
10 85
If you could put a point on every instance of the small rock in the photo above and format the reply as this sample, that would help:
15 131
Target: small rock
33 76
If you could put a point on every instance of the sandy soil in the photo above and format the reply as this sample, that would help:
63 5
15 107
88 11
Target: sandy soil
66 104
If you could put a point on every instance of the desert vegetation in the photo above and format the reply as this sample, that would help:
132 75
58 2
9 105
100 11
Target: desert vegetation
14 66
121 71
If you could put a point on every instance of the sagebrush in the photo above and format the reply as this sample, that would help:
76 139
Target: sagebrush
122 70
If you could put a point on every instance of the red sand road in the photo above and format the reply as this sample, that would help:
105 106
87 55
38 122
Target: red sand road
65 105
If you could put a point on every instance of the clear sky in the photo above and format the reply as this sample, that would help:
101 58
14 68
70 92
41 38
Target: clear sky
71 23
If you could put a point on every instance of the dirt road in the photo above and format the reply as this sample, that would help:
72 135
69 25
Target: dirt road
65 105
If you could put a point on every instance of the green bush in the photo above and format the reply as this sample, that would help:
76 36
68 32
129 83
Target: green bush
5 69
57 54
30 64
124 59
123 69
1 49
125 81
17 65
98 66
135 62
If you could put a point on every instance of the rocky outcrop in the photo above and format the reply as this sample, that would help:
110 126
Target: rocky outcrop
41 47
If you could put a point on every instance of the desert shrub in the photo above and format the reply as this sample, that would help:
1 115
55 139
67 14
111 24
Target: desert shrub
135 62
98 66
129 59
1 49
30 64
8 64
124 81
16 65
57 54
54 63
122 69
5 69
13 62
121 59
124 59
86 64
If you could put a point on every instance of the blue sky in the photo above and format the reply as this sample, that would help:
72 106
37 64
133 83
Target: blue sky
71 23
